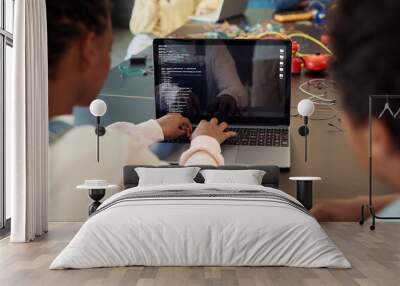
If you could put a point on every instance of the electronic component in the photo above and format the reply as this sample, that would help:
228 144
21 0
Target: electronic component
137 61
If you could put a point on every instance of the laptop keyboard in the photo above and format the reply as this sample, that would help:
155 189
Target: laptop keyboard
276 137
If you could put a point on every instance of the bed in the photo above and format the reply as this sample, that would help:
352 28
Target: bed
198 224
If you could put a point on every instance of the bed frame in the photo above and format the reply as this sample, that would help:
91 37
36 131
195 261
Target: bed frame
271 177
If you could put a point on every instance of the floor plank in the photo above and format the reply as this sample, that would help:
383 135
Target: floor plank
375 257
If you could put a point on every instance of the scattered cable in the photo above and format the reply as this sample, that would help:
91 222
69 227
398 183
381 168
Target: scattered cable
336 127
310 38
318 98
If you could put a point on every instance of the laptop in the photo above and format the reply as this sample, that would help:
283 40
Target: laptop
225 10
243 82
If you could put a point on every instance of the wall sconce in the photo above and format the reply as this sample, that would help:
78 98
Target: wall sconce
305 108
98 108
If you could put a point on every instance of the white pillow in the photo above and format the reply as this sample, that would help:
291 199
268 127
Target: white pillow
166 176
247 177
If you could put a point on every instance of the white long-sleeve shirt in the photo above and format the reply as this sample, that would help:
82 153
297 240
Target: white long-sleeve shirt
204 150
73 160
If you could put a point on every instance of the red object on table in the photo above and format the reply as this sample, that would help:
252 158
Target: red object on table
295 47
296 65
316 62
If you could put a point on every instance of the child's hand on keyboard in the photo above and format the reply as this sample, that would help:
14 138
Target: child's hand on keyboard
213 129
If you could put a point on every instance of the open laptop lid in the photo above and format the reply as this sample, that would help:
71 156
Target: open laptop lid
243 82
226 9
231 8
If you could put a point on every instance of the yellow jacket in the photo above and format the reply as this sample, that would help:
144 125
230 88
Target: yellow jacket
161 17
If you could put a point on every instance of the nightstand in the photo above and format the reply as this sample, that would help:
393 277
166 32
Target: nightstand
97 190
305 190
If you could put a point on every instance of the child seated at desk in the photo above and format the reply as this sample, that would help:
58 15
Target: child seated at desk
158 18
79 62
367 63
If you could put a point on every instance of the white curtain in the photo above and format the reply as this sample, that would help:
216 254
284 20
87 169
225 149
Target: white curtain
27 123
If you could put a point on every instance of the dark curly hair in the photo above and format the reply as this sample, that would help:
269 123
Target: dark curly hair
68 20
366 42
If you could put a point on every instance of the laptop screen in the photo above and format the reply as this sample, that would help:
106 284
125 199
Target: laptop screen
238 81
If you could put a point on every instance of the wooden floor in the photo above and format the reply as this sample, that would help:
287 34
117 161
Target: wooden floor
375 257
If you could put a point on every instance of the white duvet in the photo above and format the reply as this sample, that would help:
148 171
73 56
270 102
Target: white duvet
202 232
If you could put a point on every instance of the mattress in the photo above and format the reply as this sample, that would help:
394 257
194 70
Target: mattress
201 225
